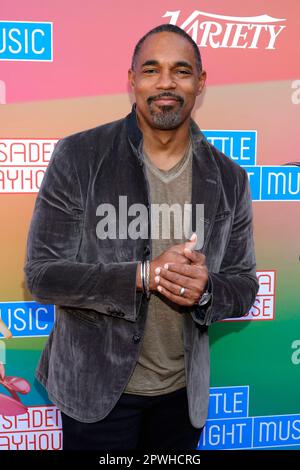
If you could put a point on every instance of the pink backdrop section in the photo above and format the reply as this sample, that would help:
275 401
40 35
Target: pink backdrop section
93 44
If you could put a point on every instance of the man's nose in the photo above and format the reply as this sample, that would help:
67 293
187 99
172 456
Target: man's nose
165 80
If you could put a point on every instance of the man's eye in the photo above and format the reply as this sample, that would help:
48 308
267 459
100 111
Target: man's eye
183 72
150 71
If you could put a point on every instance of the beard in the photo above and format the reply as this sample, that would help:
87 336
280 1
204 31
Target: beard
169 116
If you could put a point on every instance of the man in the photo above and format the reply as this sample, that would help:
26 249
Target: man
127 361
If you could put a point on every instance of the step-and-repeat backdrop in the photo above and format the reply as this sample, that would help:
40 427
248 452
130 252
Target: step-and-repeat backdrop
63 68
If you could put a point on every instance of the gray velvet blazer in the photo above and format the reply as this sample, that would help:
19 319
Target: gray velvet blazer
100 317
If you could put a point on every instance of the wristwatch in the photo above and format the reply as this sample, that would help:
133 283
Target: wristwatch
204 299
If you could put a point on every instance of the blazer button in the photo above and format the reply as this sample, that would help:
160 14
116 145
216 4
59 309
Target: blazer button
136 338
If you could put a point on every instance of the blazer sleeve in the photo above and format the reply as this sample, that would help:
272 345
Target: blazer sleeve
53 275
235 286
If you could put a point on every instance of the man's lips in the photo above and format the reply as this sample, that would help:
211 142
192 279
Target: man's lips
165 101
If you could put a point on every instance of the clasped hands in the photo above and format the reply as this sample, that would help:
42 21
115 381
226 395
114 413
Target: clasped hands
180 267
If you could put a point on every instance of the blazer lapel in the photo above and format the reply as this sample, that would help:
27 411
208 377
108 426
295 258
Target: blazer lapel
206 185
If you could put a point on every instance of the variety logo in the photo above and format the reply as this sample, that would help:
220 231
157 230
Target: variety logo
26 41
37 429
264 305
23 164
229 425
27 319
234 32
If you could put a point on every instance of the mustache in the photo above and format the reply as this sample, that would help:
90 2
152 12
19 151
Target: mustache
166 94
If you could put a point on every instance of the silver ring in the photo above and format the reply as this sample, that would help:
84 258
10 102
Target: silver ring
182 291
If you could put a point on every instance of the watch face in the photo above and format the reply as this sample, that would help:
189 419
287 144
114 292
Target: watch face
205 298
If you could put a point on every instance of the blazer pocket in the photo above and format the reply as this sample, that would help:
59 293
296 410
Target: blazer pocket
89 317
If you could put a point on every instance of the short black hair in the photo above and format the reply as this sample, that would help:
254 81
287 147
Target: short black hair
170 28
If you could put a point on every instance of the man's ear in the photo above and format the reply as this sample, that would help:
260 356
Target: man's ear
202 80
131 78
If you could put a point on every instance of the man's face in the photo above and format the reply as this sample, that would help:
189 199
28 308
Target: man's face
166 81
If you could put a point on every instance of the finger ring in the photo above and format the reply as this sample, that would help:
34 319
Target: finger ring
182 291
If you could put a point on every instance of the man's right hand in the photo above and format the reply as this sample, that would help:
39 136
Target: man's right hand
174 254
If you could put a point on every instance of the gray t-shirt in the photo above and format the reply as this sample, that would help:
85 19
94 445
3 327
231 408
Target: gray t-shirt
160 366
